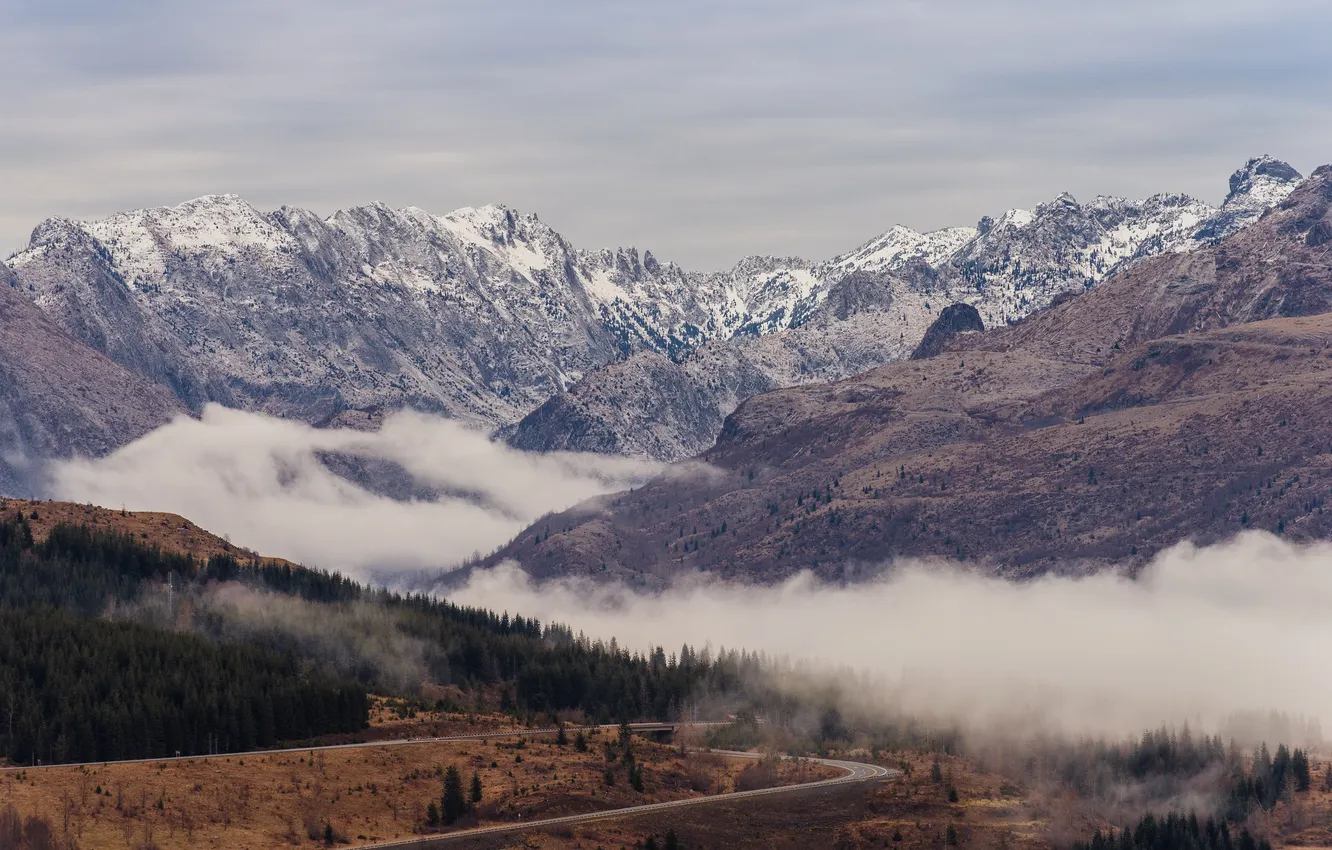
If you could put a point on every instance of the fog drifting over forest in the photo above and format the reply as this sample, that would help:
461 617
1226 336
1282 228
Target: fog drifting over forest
1201 634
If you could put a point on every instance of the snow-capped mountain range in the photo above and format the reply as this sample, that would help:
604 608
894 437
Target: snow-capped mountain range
485 314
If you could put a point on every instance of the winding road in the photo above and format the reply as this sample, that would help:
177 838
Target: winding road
853 772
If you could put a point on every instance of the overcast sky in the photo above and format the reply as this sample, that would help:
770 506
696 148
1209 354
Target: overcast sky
703 130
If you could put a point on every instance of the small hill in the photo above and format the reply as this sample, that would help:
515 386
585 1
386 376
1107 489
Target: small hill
168 532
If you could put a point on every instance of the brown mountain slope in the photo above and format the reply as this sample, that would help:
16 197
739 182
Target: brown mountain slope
168 532
58 396
1279 266
1193 436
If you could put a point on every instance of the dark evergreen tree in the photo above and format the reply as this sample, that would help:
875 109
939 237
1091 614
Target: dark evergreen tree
454 804
1299 770
1175 832
80 690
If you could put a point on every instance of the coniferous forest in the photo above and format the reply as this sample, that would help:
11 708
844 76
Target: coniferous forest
1176 832
84 677
84 689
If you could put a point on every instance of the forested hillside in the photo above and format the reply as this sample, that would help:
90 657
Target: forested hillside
91 669
83 689
76 687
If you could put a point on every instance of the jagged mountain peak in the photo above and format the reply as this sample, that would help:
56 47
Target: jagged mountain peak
214 200
483 312
1260 173
54 229
494 218
1015 218
901 245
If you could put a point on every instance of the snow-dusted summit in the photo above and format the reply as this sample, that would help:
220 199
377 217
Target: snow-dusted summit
872 305
484 314
480 314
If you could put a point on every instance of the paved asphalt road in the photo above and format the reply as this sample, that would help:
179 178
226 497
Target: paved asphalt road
854 772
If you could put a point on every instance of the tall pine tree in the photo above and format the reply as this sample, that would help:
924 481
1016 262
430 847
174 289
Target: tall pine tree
454 804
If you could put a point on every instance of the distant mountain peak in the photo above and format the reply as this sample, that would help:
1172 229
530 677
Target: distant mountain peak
1262 173
483 312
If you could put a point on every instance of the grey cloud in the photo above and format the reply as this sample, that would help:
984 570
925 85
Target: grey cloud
703 131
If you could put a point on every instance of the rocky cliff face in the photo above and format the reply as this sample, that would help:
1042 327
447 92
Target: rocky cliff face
955 319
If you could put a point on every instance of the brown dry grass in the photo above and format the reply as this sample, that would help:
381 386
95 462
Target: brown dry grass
367 794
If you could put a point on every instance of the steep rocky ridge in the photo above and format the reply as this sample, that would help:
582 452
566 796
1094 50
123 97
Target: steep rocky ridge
895 285
1022 447
484 314
1212 434
1280 266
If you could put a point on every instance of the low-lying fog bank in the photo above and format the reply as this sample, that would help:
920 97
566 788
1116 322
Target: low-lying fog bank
1202 636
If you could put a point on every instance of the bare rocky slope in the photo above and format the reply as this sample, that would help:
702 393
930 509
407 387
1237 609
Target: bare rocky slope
485 314
1184 398
59 397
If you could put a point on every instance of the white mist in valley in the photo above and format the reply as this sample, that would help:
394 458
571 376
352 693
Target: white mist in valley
262 482
1203 635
